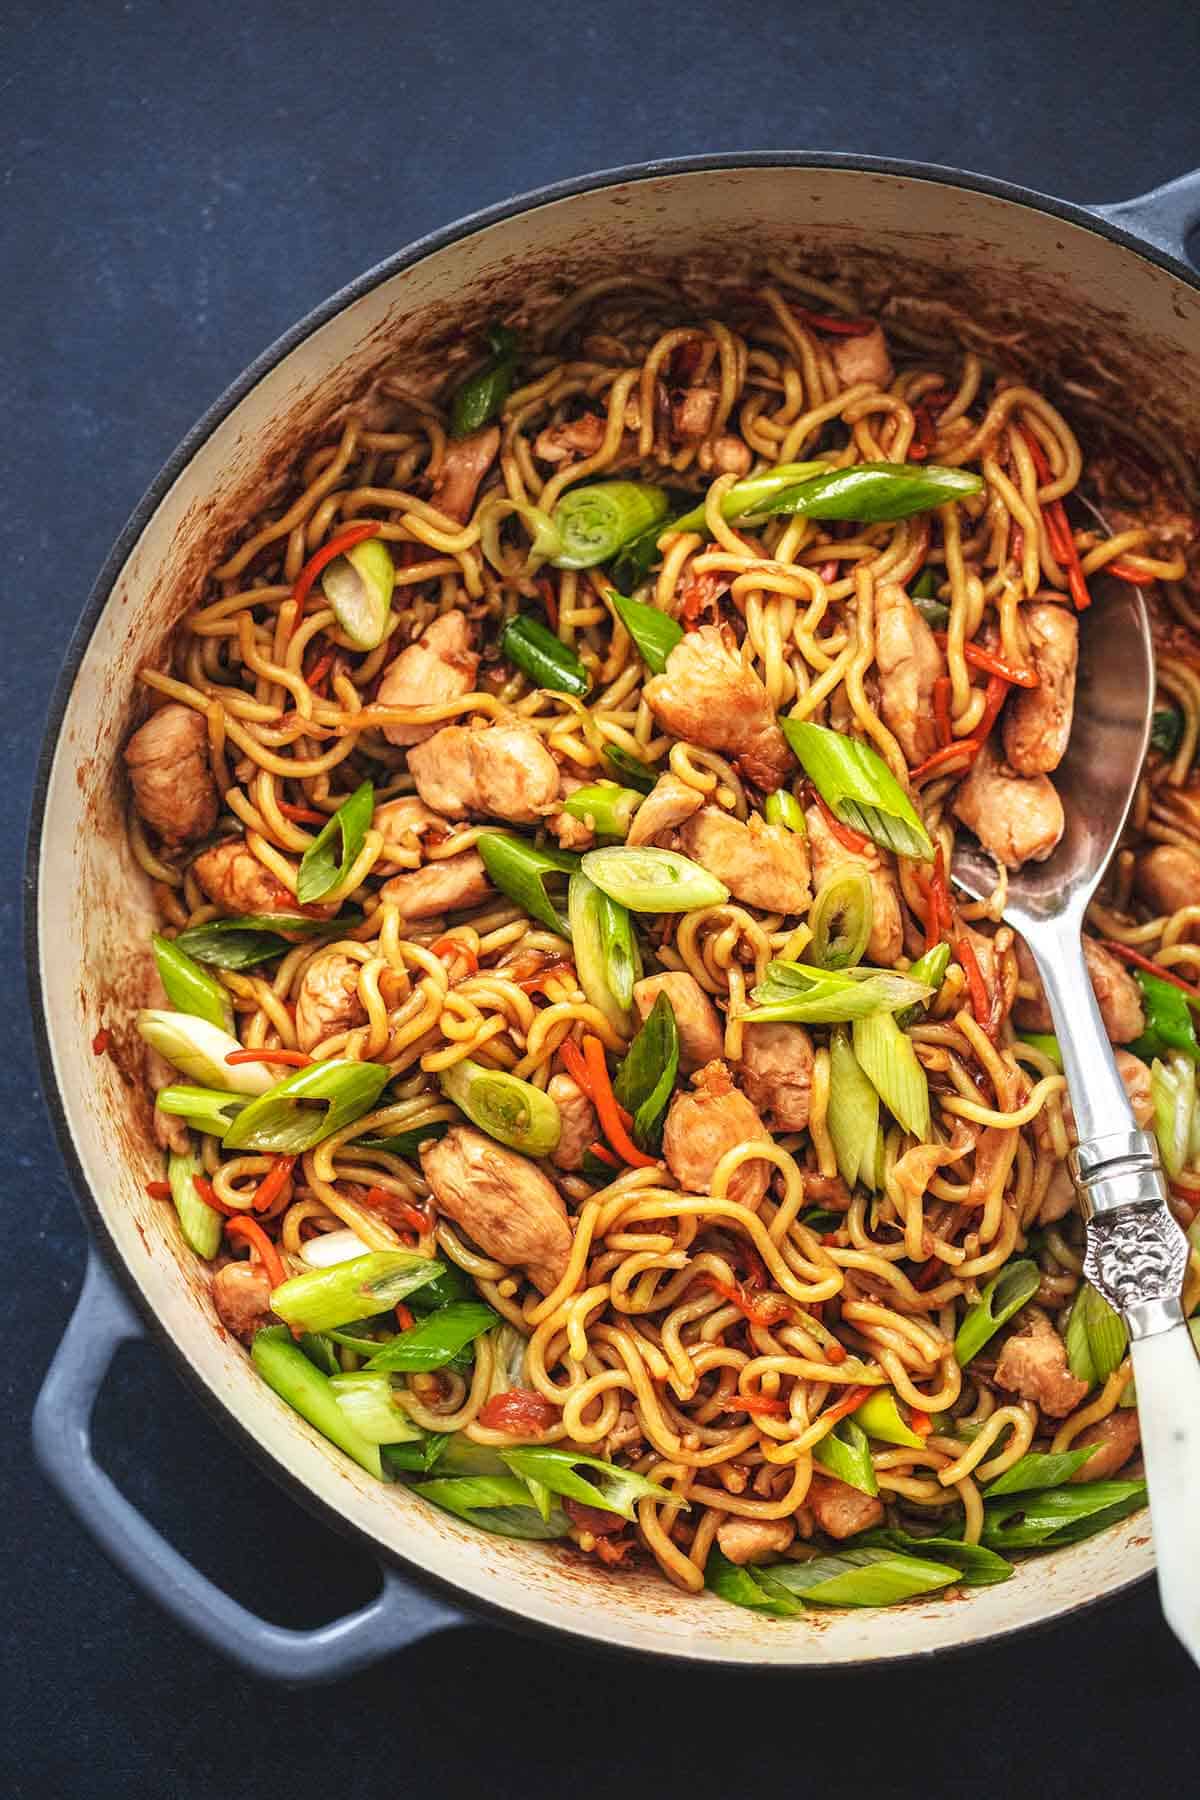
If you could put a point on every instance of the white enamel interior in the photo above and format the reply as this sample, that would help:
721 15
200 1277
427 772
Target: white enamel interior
93 911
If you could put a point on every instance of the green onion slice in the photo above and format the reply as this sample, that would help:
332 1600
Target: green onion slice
198 1048
369 1404
1166 729
976 1566
841 918
858 787
479 400
540 654
437 1339
880 1418
321 867
358 586
206 1109
1096 1337
863 1578
253 938
523 873
1045 1041
647 880
304 1108
646 1078
596 521
931 970
1005 1294
803 994
324 1299
654 632
188 986
873 492
853 1112
751 498
612 1489
607 958
1040 1469
201 1226
501 1504
783 808
285 1368
1173 1091
1169 1021
887 1056
846 1453
1058 1516
749 1587
605 807
512 1111
638 774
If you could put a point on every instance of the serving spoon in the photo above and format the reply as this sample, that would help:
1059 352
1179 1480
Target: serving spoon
1136 1256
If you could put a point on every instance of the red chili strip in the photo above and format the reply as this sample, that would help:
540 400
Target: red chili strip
756 1403
846 836
997 693
293 1059
981 1006
159 1190
455 947
303 815
604 1155
850 1402
320 669
258 1239
968 747
1058 528
1123 572
208 1194
320 559
271 1185
1137 961
835 324
404 1316
545 588
921 1422
979 658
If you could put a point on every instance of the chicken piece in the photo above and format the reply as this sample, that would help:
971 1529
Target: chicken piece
829 855
725 455
580 1128
439 887
466 462
572 440
402 824
1167 878
776 1073
909 662
1059 1197
863 358
503 1202
1033 1363
439 667
234 879
701 1035
669 803
503 770
692 414
840 1510
754 1540
762 865
1017 818
241 1294
709 696
1116 1438
328 1000
170 1131
1117 994
572 833
705 1123
173 786
1037 721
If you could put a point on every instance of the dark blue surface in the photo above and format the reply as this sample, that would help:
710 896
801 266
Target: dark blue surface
180 183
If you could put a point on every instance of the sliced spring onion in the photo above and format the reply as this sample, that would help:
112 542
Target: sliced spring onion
522 873
841 918
605 807
654 632
1045 1041
498 1503
873 492
417 1457
358 586
976 1566
324 1299
405 1143
512 1111
930 969
1040 1469
638 774
205 1109
613 1489
308 1106
596 521
321 1352
200 1225
478 401
541 655
1005 1294
749 1587
462 1456
369 1404
256 937
285 1368
647 880
858 787
198 1048
607 958
1059 1516
1173 1091
846 1453
332 1247
436 1340
934 612
926 585
188 986
880 1418
894 1069
751 498
863 1578
1096 1337
1169 1021
805 995
852 1117
783 808
645 1080
1166 729
321 867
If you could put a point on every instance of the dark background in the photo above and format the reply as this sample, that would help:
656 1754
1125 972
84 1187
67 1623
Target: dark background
179 184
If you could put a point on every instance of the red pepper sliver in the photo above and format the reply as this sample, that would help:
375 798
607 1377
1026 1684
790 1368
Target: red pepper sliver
979 658
258 1239
846 836
383 1200
928 1275
997 693
271 1185
941 710
102 1041
835 324
159 1190
966 747
976 986
1123 572
756 1403
337 546
303 815
1137 961
850 1402
605 1102
453 946
292 1059
208 1194
921 1422
604 1155
545 588
572 1058
404 1316
320 669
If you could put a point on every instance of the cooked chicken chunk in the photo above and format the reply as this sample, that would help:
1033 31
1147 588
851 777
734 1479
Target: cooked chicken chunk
692 414
572 440
829 854
776 1073
173 787
170 1131
669 803
725 455
439 887
696 1018
403 824
503 1202
438 667
1116 1438
1117 994
466 462
503 770
1059 1197
705 1123
241 1294
1017 818
1037 721
762 865
1033 1363
579 1125
840 1510
709 696
328 1000
909 662
234 879
754 1540
863 358
1167 877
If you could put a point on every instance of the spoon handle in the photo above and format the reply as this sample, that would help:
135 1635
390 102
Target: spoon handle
1098 1096
1167 1372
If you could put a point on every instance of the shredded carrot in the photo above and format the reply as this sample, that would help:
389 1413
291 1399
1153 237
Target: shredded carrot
345 540
765 1311
1138 961
208 1194
455 947
561 969
271 1185
941 711
921 1422
1123 572
835 325
997 693
294 1059
102 1041
605 1102
320 669
383 1200
968 747
159 1190
545 588
939 898
981 1006
603 1155
756 1403
1058 528
257 1238
980 658
851 1400
404 1316
303 815
576 1068
845 835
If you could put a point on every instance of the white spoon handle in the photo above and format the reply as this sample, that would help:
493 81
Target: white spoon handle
1167 1371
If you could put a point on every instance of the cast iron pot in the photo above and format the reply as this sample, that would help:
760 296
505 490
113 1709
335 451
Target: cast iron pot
1107 299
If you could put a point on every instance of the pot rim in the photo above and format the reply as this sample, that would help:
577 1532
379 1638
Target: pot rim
199 433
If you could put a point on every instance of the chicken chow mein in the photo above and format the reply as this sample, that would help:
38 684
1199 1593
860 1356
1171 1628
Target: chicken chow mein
596 1106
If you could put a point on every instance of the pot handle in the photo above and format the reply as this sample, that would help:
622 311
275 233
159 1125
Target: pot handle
1163 217
103 1320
